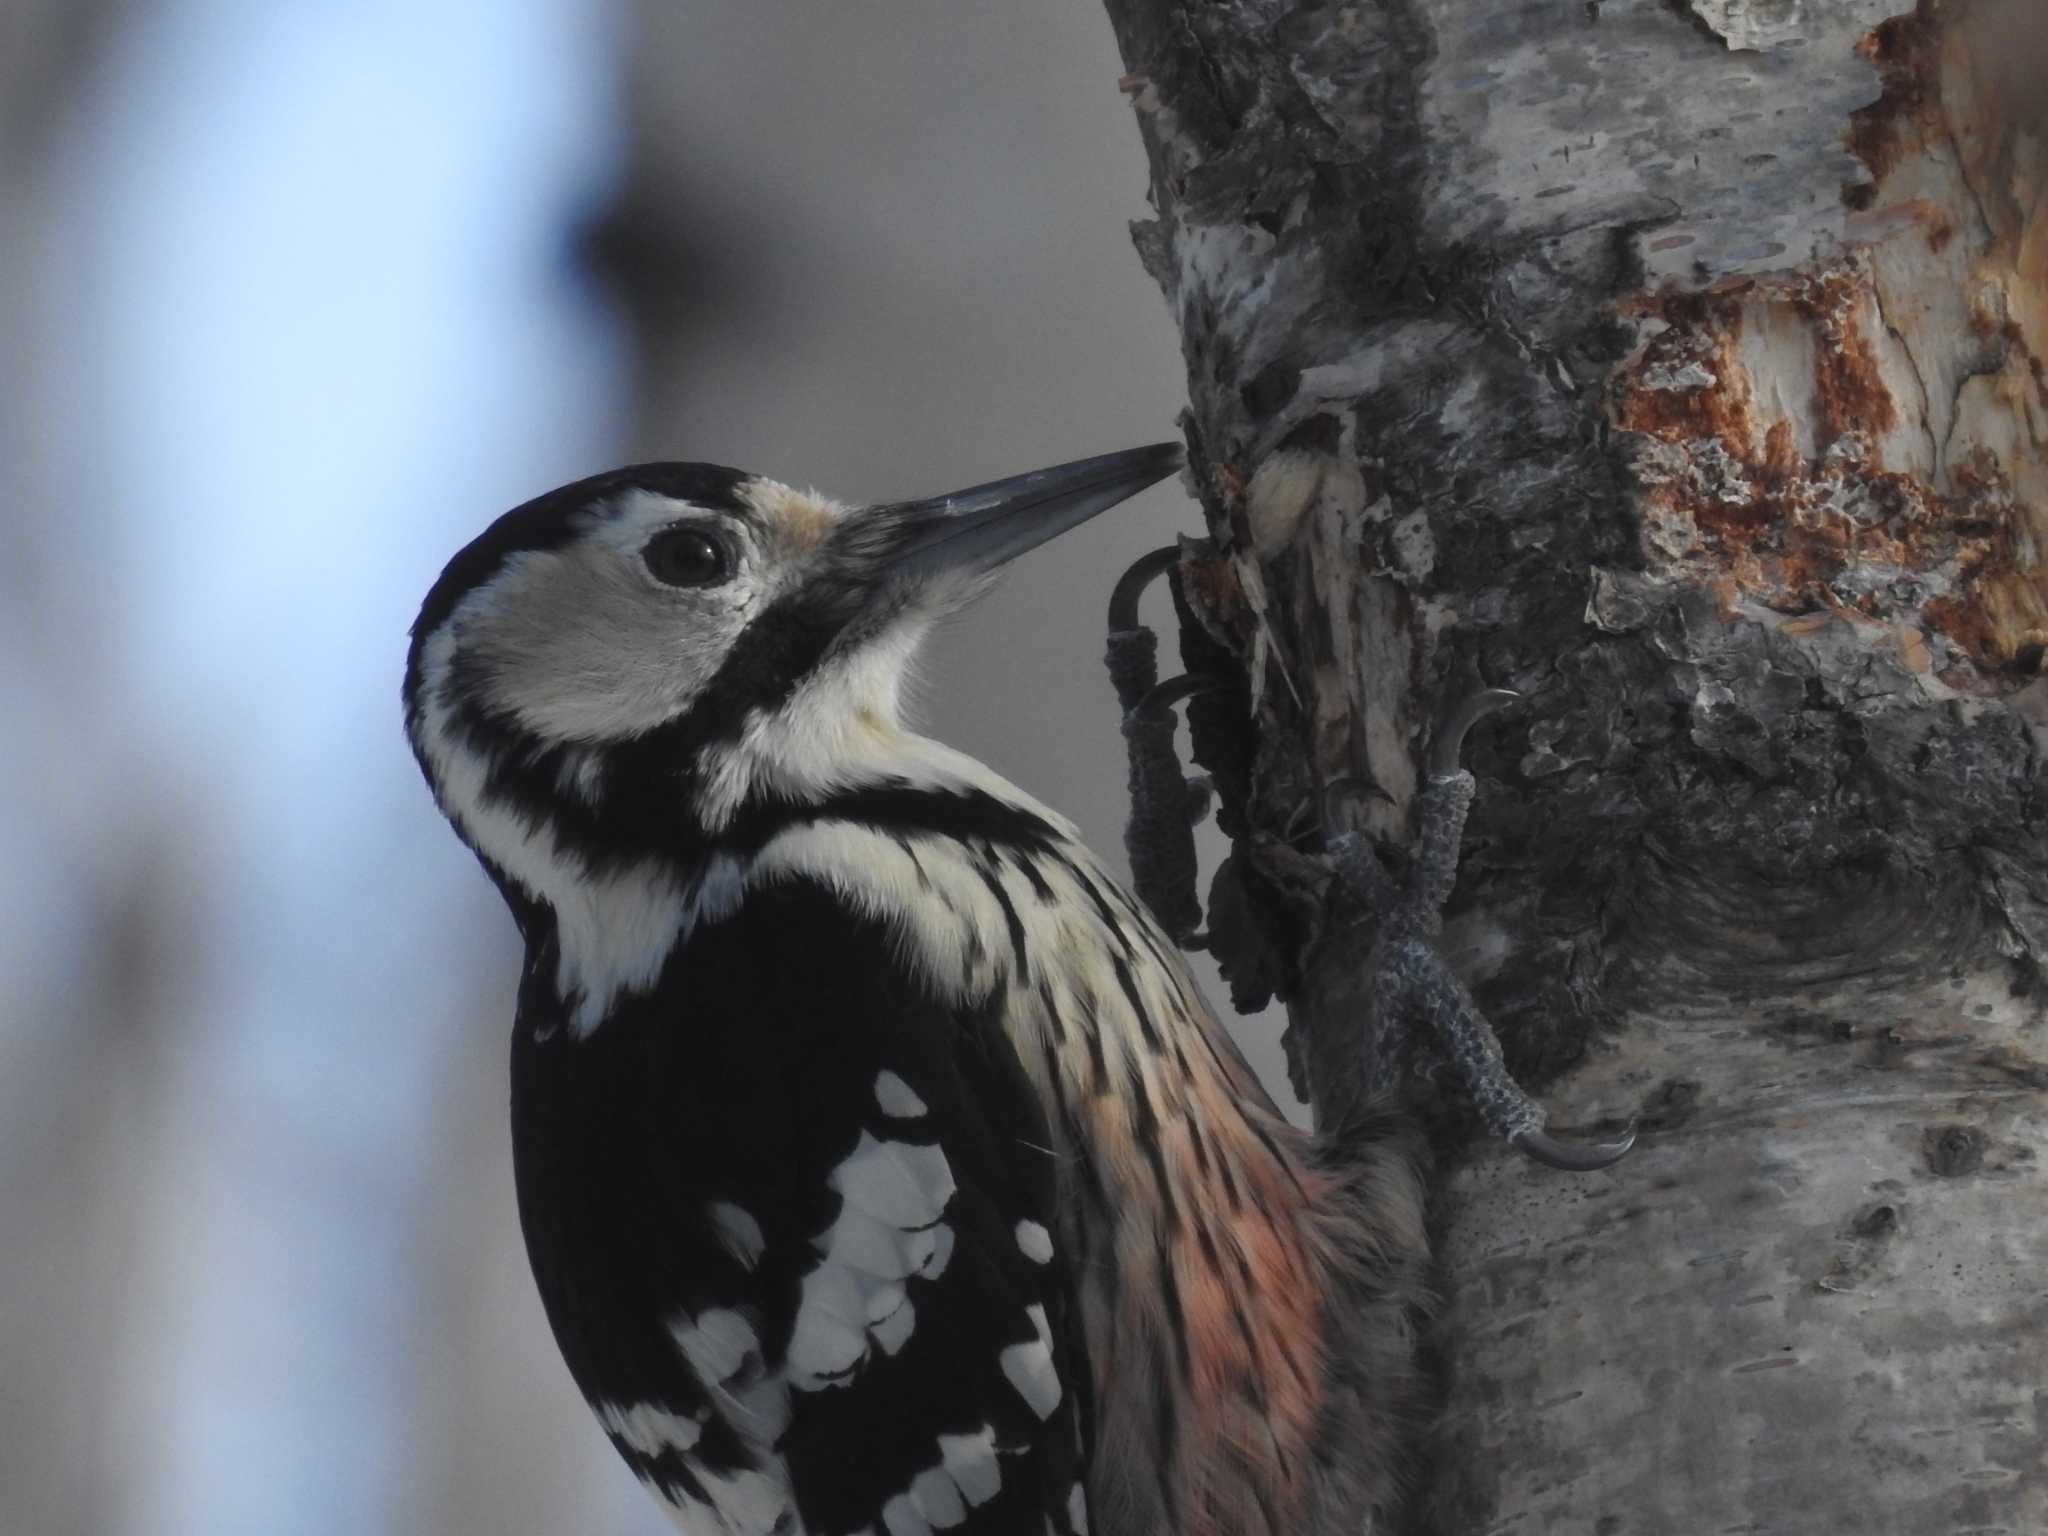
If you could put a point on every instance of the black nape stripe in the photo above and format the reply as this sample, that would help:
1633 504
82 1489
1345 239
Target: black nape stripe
897 805
646 793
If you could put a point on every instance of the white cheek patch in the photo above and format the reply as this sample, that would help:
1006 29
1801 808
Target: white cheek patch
578 644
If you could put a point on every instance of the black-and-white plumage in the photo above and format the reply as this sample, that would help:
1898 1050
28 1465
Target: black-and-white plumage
881 1168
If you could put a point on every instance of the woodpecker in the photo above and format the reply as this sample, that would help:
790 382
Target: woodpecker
882 1170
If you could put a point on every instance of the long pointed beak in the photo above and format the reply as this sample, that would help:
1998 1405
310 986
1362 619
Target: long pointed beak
974 531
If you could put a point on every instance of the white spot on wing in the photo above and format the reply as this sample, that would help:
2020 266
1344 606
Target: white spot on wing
937 1497
1034 1242
1030 1369
891 1316
857 1241
931 1250
901 1518
883 1303
648 1429
899 1101
749 1503
718 1343
896 1182
892 1195
970 1460
725 1352
830 1337
1077 1510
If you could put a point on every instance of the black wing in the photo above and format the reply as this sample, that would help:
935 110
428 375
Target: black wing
790 1217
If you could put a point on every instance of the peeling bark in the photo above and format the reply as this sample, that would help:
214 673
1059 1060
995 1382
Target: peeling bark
1678 363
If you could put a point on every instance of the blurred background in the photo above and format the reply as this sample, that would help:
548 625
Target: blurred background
296 297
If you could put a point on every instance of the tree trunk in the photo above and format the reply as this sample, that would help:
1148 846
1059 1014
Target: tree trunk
1679 364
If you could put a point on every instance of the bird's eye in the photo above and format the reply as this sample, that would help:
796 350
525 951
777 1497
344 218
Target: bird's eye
687 557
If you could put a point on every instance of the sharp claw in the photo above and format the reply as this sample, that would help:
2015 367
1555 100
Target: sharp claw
1450 736
1123 597
1573 1156
1161 697
1297 824
1351 784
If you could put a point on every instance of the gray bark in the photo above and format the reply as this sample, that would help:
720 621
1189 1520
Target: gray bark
1678 363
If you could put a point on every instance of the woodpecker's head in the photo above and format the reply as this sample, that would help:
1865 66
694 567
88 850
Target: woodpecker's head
641 655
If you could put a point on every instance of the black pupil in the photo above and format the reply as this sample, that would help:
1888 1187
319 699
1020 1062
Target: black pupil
685 557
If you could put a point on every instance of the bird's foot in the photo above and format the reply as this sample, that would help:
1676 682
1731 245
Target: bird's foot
1414 981
1166 803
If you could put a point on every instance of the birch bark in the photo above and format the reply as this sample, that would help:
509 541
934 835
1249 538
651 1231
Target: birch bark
1678 363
